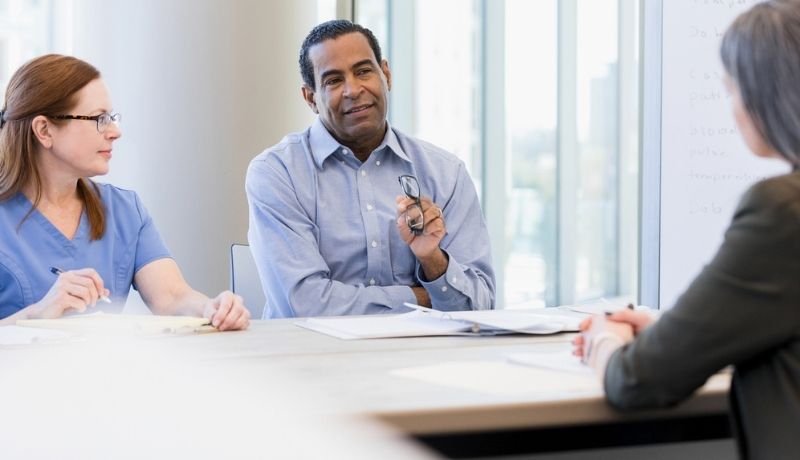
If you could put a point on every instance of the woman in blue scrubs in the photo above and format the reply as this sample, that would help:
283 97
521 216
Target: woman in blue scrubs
67 241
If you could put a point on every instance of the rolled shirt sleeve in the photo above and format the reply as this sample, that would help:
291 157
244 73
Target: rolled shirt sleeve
468 282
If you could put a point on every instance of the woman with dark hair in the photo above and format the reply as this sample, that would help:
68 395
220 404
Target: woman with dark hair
67 241
744 307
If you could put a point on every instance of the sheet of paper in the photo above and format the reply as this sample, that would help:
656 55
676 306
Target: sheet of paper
563 361
500 378
600 308
134 324
420 323
597 308
18 335
413 324
527 322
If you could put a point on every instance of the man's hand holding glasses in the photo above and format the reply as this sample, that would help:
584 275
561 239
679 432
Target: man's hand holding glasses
421 225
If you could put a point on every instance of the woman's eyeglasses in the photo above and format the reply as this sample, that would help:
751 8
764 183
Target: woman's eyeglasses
103 120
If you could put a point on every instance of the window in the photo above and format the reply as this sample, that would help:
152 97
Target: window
436 90
540 100
531 116
597 205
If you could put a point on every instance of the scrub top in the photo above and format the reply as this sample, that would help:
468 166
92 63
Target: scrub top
27 251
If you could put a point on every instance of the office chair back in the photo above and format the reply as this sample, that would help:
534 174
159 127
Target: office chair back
245 281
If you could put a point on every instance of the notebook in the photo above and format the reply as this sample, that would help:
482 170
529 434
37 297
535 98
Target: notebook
135 324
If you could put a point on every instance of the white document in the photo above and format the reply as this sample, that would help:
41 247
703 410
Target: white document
563 361
604 306
427 322
18 335
500 378
521 321
413 324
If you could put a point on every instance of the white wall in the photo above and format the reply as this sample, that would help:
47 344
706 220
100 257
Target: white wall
203 86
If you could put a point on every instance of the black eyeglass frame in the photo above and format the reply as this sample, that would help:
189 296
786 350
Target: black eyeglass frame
112 118
417 228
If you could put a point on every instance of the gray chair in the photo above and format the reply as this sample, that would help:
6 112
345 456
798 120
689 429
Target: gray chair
245 281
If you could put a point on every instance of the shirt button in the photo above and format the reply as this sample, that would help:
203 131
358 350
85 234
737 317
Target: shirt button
374 244
369 207
345 151
378 163
363 173
372 282
453 280
444 288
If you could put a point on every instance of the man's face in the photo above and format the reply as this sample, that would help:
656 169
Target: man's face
351 89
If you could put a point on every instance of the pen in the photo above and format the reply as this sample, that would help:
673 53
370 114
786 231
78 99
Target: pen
629 306
58 271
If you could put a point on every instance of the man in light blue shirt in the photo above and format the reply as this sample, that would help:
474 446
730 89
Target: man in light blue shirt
328 231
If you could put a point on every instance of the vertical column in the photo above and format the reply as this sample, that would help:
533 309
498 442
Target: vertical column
402 48
628 165
567 149
496 160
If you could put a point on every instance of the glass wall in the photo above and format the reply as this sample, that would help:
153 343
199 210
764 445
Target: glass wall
531 75
597 216
436 92
569 132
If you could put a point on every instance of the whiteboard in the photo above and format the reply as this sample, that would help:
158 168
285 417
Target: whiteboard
695 164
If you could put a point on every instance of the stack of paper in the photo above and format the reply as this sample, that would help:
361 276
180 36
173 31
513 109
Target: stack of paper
433 322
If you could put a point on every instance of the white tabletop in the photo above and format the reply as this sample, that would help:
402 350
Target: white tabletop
419 386
368 374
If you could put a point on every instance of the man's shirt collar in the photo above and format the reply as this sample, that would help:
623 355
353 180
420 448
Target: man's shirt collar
323 144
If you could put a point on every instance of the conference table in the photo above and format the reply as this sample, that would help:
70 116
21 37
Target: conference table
459 396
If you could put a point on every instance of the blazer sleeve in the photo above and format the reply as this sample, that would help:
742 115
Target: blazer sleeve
742 304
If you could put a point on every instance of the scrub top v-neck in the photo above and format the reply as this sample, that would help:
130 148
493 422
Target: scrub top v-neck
29 249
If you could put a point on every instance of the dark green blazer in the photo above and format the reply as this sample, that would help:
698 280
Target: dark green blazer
743 309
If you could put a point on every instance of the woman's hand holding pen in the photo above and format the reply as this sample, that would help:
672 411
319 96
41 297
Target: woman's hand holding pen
227 312
72 291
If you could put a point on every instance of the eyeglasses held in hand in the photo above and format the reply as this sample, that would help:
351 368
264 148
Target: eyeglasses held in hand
103 120
414 215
